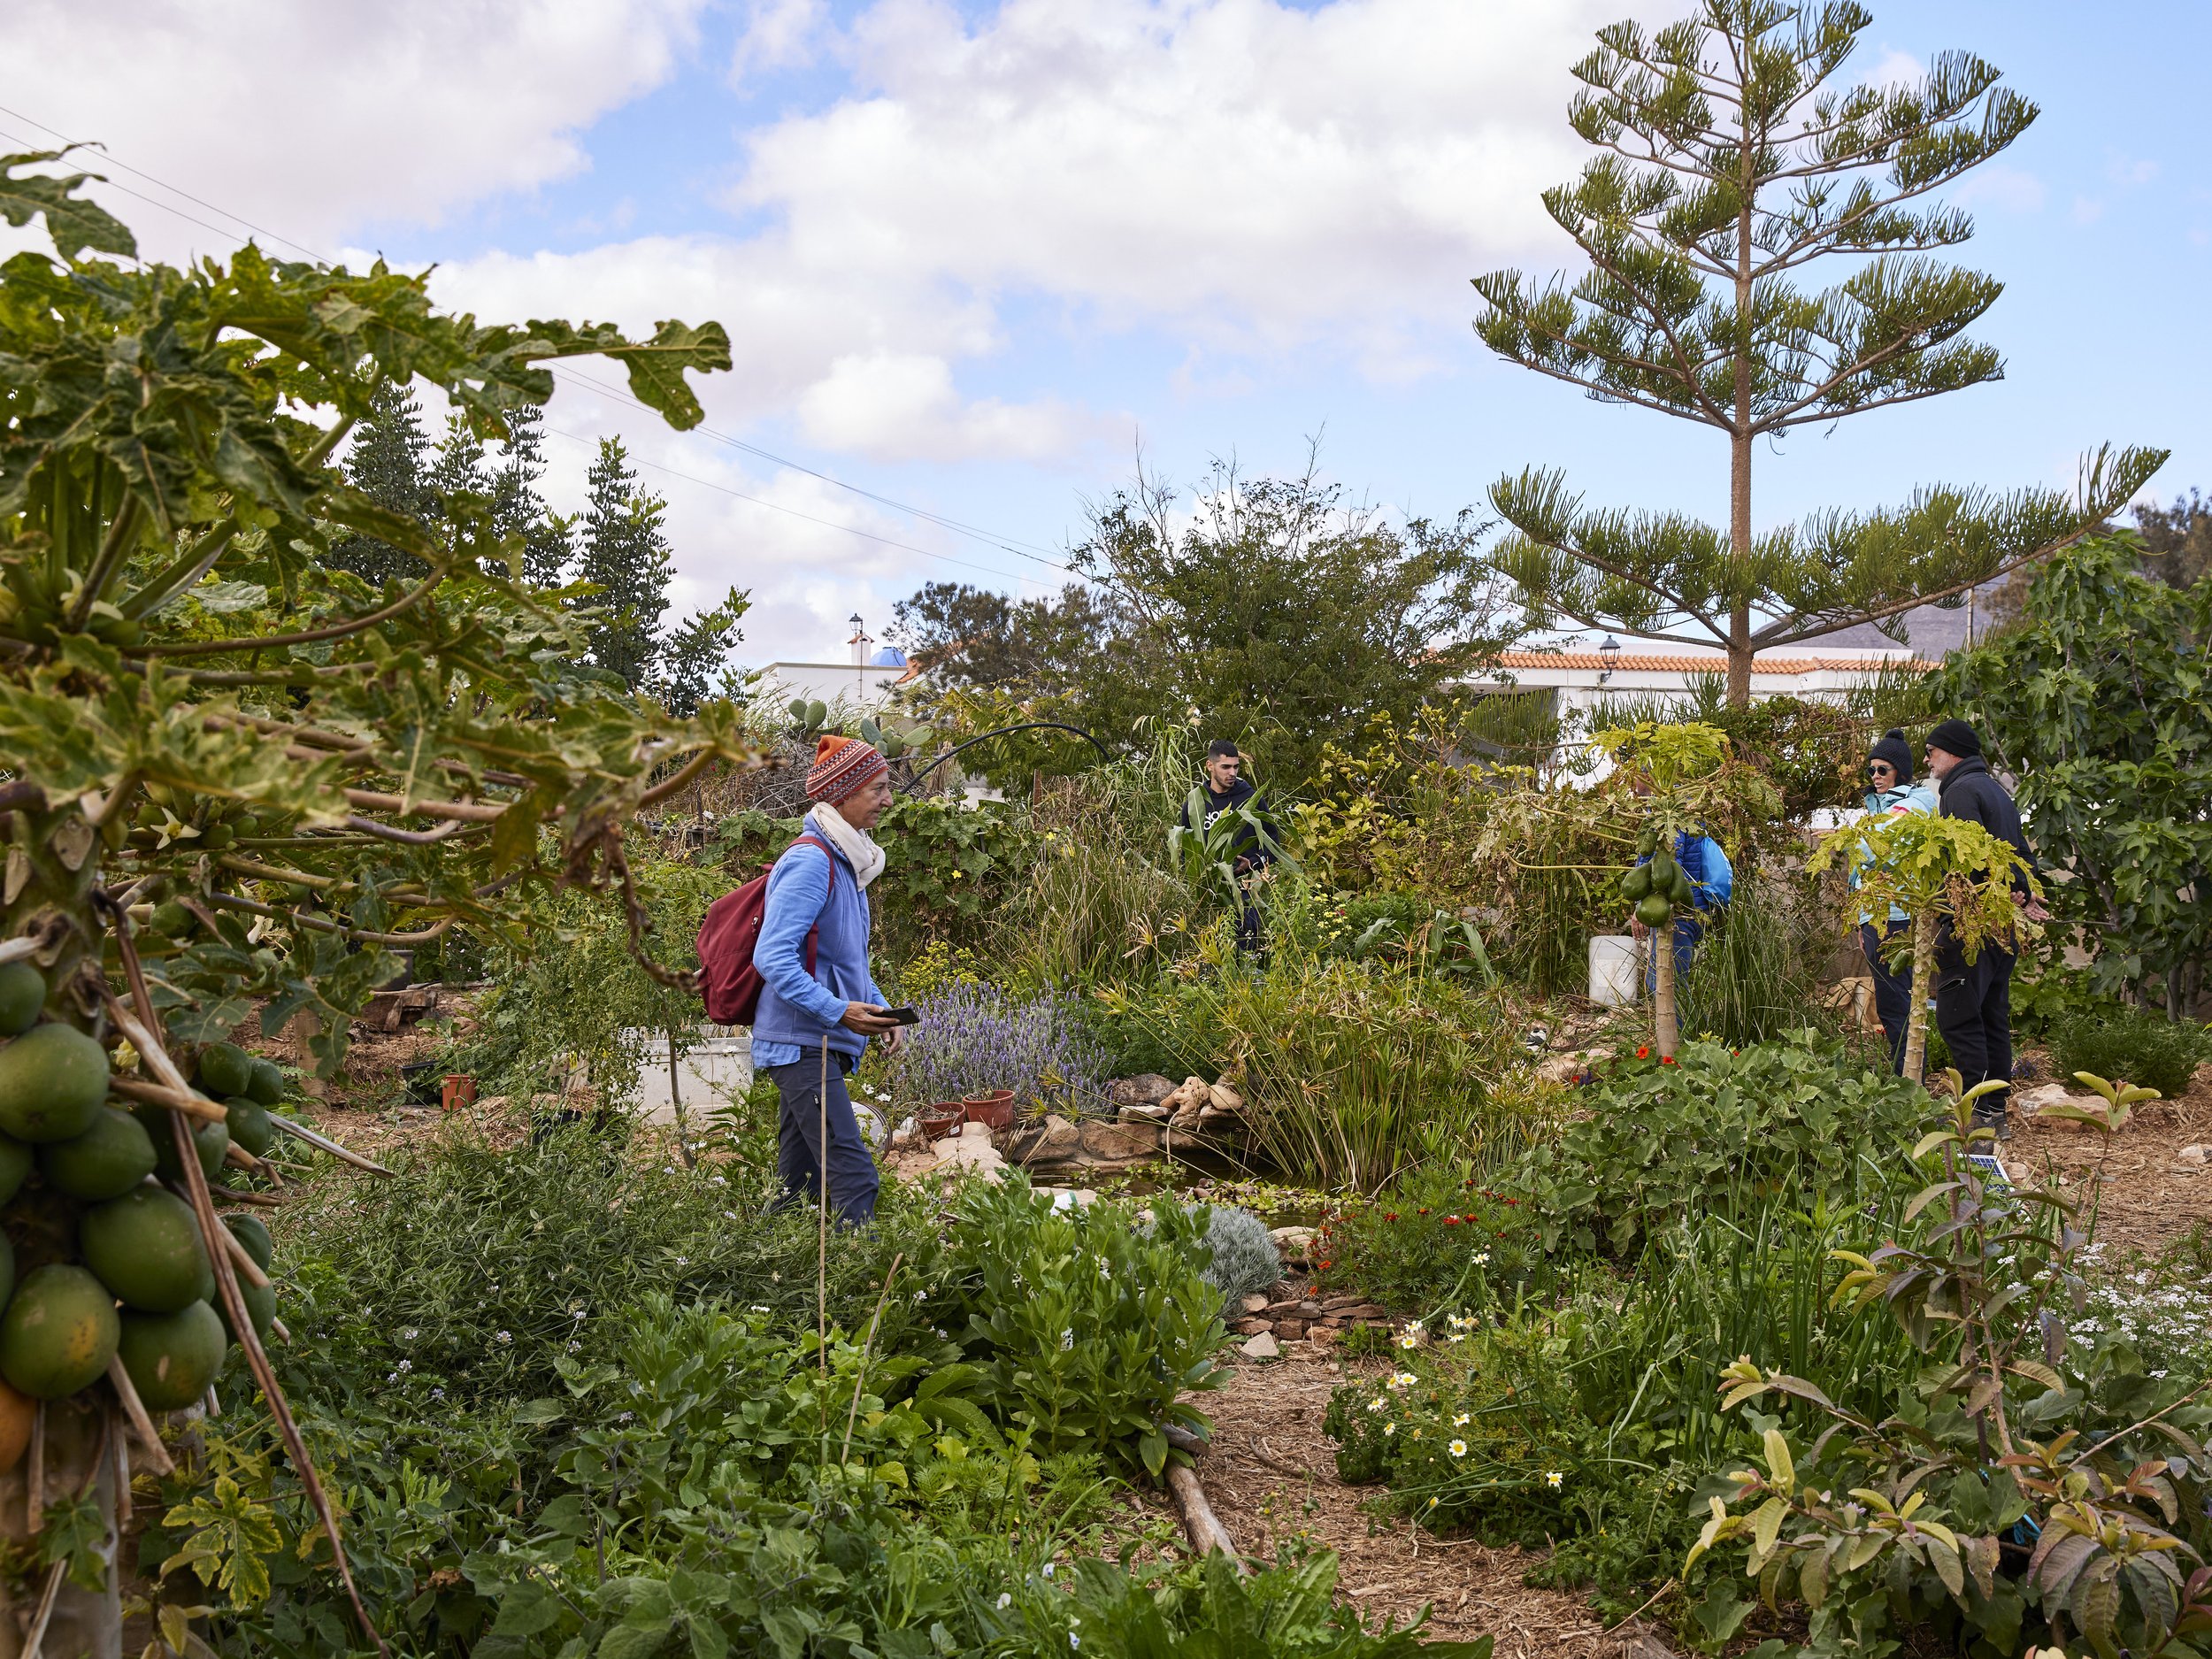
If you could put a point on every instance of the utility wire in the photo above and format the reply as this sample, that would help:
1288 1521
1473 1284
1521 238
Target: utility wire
1003 543
777 506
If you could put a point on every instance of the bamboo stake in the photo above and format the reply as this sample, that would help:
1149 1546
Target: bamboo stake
821 1260
35 1477
342 1154
37 1636
184 1101
259 1201
142 1421
243 1260
866 1347
122 1483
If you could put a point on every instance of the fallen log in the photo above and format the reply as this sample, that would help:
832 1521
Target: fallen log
1201 1524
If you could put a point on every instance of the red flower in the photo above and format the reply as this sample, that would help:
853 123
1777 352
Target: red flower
1666 1059
1643 1054
1391 1215
1451 1221
1425 1212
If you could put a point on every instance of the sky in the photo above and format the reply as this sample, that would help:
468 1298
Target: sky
978 261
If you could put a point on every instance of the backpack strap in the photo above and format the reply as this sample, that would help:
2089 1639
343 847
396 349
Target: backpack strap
816 840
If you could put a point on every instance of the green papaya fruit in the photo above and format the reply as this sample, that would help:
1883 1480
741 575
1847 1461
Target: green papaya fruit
1647 843
1662 871
15 1166
106 1160
145 1247
1654 910
22 994
171 1357
172 920
225 1069
260 1301
58 1333
1684 891
211 1138
1636 884
53 1081
248 1122
265 1087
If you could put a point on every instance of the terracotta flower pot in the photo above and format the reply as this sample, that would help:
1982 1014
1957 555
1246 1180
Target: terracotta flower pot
939 1120
993 1109
457 1091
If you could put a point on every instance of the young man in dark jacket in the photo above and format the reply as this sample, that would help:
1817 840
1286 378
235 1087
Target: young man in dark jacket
1974 999
1224 790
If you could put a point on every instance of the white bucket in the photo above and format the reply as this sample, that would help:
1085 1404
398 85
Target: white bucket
1616 970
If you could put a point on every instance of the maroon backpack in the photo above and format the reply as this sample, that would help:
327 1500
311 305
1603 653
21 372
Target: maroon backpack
727 938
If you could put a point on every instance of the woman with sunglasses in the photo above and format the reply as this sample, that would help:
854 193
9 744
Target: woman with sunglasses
1890 789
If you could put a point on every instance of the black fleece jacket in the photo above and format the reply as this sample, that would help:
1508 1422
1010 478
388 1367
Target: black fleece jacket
1971 792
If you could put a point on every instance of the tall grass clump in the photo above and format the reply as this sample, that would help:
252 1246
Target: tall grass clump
1352 1073
1756 970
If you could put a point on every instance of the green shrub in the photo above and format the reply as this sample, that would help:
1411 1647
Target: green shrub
1087 1324
1723 1133
475 1268
2144 1048
1435 1242
1241 1259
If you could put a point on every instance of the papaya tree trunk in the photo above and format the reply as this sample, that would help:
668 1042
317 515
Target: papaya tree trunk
1664 1036
1923 951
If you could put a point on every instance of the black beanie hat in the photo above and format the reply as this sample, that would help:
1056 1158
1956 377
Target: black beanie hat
1891 747
1955 737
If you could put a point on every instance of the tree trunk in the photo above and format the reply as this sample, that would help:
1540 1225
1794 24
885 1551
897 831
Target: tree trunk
1740 436
1923 950
79 1457
1664 1036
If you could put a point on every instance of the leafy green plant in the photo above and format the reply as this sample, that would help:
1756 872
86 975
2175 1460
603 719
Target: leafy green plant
1955 879
2020 1441
1721 1131
1433 1244
2145 1048
1089 1323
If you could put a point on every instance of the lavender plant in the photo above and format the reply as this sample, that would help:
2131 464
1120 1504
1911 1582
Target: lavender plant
974 1037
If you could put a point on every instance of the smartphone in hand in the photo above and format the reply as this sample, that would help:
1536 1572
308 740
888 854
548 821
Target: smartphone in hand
903 1016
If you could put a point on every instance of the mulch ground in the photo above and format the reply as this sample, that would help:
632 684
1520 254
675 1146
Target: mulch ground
2141 1196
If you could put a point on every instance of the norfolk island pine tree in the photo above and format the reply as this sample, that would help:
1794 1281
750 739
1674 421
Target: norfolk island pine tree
1729 163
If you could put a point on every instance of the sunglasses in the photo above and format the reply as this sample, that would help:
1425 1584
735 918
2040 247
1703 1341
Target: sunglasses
1882 768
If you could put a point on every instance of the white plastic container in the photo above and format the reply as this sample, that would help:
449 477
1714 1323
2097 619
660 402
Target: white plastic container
1616 970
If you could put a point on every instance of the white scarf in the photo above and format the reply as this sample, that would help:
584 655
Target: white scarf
867 858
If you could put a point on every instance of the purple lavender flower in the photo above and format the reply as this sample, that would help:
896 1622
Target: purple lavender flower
978 1037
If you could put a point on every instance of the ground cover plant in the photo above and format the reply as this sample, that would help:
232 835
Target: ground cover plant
576 1393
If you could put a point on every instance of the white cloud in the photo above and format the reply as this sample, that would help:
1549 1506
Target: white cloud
902 407
780 35
1262 175
316 119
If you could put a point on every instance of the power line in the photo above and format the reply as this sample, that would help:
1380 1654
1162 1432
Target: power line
1005 544
113 160
777 506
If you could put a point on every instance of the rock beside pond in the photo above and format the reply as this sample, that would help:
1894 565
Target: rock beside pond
1295 1244
1148 1089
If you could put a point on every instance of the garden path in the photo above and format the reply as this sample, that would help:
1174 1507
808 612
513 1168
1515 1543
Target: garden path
2150 1197
1272 1477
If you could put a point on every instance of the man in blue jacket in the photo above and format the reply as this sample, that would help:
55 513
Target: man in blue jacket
813 1024
1712 883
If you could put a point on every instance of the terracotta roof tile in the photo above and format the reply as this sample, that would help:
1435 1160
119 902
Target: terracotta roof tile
1652 662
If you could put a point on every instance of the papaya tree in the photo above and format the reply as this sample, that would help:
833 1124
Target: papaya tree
1679 774
238 777
1951 877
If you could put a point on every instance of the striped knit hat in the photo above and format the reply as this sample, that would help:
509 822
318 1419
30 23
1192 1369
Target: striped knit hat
841 765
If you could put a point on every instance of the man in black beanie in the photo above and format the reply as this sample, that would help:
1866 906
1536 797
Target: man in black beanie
1974 999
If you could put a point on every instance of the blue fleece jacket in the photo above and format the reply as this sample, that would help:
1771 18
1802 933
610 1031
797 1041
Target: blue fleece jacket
1712 878
798 1009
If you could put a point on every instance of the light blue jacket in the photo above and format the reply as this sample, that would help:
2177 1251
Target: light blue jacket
1906 797
798 1009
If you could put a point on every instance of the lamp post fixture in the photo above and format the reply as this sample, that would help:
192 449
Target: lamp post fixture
1610 654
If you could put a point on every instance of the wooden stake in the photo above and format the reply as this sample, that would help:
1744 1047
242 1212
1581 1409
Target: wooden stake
37 1636
159 1094
141 1420
1201 1524
329 1146
243 1259
34 1478
122 1482
821 1261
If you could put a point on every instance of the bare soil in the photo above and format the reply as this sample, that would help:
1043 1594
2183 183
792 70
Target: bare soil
2135 1188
